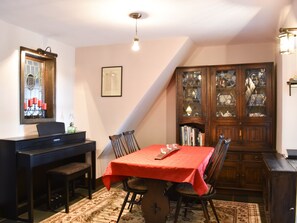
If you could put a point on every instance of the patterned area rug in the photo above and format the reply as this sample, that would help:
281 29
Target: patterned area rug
105 206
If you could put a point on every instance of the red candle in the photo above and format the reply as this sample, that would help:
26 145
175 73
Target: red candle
44 106
39 103
25 106
30 102
35 101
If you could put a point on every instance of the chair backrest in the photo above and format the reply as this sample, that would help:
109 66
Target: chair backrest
215 154
118 146
49 128
131 141
218 164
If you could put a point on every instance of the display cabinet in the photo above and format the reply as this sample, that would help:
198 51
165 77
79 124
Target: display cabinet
243 105
192 103
242 108
237 101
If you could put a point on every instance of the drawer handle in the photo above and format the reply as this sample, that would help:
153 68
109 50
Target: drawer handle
292 209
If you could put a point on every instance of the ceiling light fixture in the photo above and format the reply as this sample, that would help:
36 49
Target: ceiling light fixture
135 15
287 40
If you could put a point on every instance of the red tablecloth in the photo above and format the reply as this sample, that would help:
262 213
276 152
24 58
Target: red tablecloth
184 165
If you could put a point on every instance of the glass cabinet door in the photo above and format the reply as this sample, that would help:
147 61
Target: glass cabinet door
225 93
255 92
192 94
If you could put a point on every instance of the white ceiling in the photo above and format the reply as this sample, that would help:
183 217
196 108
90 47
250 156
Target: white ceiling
101 22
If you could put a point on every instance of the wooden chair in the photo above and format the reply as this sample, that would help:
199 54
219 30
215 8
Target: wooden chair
186 190
131 141
214 156
118 146
132 185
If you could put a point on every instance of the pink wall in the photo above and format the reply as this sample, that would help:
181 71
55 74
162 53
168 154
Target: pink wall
148 101
146 75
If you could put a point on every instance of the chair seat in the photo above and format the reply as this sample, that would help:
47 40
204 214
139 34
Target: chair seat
137 184
187 189
69 169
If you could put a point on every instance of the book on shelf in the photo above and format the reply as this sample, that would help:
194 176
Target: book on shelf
191 136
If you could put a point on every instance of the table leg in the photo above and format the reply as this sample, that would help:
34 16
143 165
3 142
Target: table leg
155 205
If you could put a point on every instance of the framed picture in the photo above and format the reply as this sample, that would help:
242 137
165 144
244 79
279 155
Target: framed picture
111 81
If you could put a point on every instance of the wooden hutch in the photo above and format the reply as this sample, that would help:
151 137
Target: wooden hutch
237 100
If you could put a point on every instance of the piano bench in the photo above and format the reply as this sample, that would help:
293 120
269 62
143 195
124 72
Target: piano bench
68 173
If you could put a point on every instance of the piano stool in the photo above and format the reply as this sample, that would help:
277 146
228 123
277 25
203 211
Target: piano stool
68 173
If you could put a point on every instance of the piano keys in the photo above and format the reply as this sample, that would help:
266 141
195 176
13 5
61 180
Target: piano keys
24 162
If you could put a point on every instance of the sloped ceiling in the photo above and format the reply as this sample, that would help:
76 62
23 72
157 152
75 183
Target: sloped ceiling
103 22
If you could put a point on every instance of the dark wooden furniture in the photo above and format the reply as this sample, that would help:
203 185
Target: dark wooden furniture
67 174
50 128
185 190
24 162
118 147
279 188
131 142
237 101
186 164
133 185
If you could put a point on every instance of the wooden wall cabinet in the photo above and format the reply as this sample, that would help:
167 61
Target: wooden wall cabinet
239 102
242 170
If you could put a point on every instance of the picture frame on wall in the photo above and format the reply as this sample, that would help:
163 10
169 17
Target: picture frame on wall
37 85
111 81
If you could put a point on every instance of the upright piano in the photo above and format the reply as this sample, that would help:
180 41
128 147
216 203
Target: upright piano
24 162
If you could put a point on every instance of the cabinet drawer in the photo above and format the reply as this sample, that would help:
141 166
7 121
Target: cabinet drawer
233 157
252 157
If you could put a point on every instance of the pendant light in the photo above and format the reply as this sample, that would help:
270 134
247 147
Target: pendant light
135 45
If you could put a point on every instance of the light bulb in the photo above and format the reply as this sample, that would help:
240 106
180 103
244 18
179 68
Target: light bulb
135 46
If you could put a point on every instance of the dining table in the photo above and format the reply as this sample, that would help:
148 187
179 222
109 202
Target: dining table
159 164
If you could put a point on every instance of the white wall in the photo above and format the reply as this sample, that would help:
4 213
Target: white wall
287 106
11 39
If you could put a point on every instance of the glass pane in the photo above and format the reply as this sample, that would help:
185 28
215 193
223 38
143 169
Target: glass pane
255 92
192 83
226 93
34 104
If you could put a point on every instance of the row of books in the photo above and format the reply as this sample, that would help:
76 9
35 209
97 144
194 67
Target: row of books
191 136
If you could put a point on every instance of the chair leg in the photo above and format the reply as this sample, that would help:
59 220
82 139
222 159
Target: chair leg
177 210
66 196
205 211
186 209
123 206
214 210
132 201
